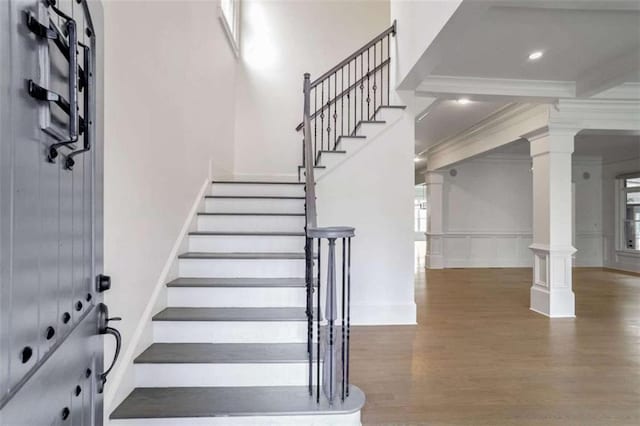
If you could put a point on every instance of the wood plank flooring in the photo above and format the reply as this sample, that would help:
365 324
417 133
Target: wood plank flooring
480 357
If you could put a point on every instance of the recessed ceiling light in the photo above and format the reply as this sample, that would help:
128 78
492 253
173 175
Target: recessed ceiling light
534 56
417 159
463 101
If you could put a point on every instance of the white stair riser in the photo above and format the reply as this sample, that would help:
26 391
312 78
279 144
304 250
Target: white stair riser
245 243
253 205
238 297
229 331
352 419
257 189
371 130
331 160
351 144
233 374
389 114
238 268
251 223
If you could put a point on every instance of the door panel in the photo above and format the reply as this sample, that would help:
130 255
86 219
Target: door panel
50 223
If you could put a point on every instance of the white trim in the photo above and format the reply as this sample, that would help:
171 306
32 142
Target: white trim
451 87
122 383
235 44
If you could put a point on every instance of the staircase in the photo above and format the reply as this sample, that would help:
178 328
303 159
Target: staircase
231 346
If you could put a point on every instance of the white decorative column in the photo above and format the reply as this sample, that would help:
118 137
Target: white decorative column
434 257
551 292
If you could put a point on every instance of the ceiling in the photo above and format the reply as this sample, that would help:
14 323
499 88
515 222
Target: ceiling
573 42
610 148
588 47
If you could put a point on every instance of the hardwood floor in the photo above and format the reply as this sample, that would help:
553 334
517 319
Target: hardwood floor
478 356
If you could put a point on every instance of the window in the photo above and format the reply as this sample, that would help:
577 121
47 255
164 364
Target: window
230 17
630 209
420 209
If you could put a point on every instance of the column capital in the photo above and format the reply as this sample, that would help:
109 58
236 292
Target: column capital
547 140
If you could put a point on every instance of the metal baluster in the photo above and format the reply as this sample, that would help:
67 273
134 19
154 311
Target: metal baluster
368 86
388 79
318 319
342 101
374 79
349 97
381 73
329 112
308 248
342 319
348 307
335 108
321 123
361 87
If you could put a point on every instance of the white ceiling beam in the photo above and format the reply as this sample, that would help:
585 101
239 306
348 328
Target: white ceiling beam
627 91
495 88
609 74
502 128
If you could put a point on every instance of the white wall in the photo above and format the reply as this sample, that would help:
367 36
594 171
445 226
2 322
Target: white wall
612 257
488 213
281 40
169 106
378 202
419 22
588 211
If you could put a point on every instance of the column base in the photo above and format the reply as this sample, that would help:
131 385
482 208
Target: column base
551 293
554 304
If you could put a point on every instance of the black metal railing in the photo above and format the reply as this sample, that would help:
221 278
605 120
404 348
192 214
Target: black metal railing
348 94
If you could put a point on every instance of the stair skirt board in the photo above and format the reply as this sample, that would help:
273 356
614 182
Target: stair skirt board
250 223
352 419
248 268
199 406
248 205
236 297
234 374
246 243
229 331
265 189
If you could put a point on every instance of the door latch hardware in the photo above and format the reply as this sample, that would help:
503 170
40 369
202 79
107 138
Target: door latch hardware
88 96
52 32
41 94
103 328
103 283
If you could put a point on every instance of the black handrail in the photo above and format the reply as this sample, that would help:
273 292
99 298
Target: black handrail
347 94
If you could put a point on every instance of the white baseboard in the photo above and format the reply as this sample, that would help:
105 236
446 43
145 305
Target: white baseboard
383 314
122 382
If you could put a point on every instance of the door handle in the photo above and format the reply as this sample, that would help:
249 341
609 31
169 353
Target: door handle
103 328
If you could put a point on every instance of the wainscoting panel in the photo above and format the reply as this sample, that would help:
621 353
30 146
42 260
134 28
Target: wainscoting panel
487 249
589 247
